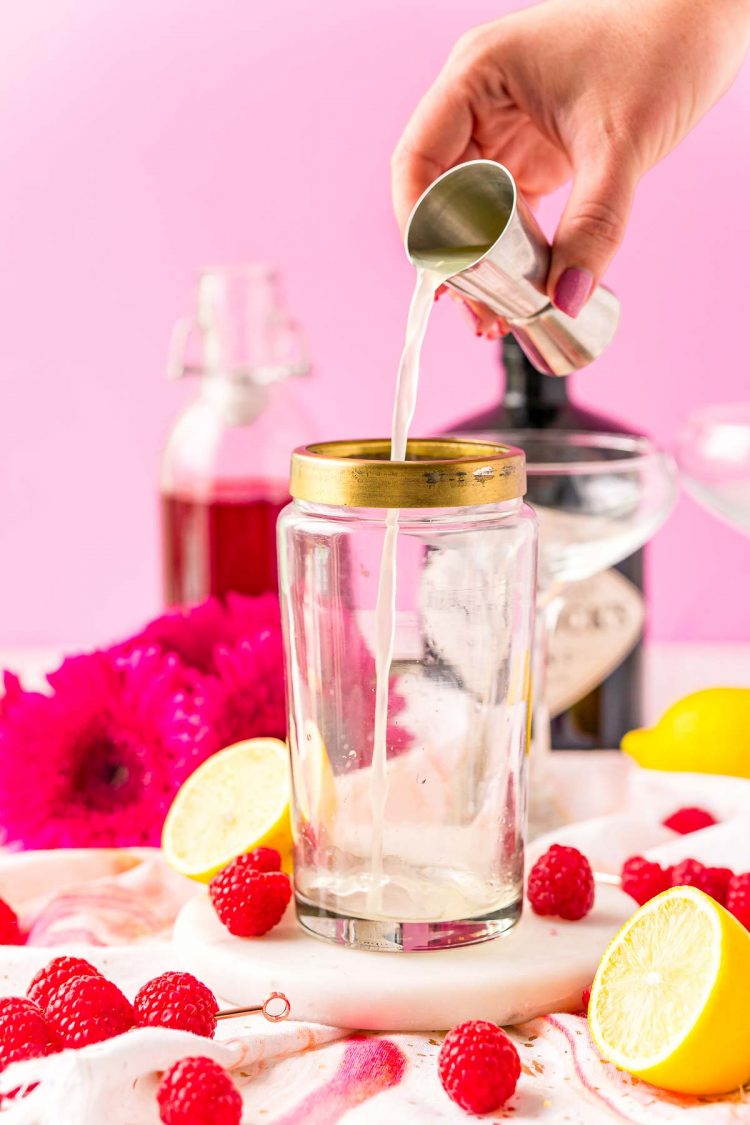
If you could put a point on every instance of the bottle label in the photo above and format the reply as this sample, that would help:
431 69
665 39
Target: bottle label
600 623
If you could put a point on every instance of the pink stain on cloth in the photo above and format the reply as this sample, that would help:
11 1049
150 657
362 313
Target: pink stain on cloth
367 1067
117 908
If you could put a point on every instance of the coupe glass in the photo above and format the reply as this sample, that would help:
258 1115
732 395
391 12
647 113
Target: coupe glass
599 498
713 452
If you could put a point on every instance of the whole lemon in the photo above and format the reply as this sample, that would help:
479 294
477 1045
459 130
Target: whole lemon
706 732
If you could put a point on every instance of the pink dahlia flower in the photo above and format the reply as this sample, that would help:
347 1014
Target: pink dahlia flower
97 762
12 693
196 634
237 644
236 647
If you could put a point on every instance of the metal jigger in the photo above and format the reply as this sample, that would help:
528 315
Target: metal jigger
473 217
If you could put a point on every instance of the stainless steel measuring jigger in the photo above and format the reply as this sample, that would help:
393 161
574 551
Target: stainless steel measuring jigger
473 218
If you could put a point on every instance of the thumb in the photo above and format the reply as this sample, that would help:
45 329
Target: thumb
590 230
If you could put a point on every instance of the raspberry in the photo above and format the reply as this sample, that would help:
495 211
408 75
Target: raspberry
585 999
738 898
643 880
689 820
712 881
688 873
263 859
177 1000
24 1032
9 931
248 902
197 1091
561 882
478 1066
60 969
88 1009
716 882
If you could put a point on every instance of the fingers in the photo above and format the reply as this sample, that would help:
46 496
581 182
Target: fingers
591 229
436 137
482 320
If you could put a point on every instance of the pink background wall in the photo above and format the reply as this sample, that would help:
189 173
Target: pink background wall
142 140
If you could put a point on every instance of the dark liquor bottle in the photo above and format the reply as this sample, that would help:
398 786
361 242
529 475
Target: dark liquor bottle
599 713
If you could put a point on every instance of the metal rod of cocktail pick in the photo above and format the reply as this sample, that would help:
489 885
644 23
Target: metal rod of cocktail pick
274 1000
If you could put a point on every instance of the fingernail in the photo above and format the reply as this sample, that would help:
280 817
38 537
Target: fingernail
493 332
471 316
439 292
573 290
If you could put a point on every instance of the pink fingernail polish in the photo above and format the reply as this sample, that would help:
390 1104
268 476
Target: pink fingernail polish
573 290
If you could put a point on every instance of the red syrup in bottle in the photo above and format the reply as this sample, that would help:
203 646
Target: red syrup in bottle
223 542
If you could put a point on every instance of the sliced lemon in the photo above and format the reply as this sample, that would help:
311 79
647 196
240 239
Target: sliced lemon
236 801
669 999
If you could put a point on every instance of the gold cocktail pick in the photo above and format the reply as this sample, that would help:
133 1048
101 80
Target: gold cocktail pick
274 1008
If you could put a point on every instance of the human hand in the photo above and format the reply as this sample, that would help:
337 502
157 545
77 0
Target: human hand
599 89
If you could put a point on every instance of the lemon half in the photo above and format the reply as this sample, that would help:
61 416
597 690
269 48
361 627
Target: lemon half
669 999
235 801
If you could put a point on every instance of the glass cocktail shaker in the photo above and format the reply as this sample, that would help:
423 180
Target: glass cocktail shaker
424 849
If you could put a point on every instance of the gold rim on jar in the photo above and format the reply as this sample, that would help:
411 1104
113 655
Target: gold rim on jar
438 473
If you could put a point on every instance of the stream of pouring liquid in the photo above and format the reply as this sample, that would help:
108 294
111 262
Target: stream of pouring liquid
407 382
442 265
437 266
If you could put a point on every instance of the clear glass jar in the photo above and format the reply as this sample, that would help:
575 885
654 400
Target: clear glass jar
224 476
414 840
